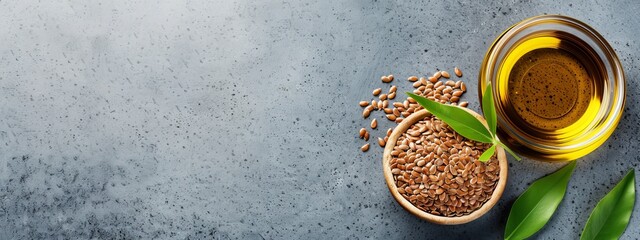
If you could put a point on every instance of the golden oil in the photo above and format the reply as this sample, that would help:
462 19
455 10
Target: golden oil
553 85
550 88
558 86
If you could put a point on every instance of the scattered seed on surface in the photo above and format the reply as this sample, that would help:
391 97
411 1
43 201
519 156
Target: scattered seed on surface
365 113
437 75
393 89
457 71
364 103
391 95
381 142
450 83
374 123
424 81
365 147
377 91
412 79
445 74
396 112
383 96
362 132
366 136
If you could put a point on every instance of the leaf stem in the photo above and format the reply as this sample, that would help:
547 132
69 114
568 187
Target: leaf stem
508 150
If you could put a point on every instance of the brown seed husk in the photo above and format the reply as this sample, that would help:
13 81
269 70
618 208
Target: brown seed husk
365 147
381 142
377 91
457 71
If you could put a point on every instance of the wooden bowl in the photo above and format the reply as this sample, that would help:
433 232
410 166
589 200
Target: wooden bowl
388 176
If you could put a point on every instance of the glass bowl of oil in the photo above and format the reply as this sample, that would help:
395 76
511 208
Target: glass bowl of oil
559 87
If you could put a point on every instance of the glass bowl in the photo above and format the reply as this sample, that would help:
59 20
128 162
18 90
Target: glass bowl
606 101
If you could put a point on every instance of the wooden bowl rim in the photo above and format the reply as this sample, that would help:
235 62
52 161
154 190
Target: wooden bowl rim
388 176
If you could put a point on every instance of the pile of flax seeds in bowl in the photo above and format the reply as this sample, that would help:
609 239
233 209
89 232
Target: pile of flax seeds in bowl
433 167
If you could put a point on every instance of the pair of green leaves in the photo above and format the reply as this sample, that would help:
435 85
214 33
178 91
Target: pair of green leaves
533 209
466 124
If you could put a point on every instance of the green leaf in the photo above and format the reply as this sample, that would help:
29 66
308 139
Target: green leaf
457 118
486 155
533 209
489 110
611 216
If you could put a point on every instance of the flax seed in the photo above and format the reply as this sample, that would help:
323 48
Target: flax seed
391 95
365 147
457 71
365 113
437 75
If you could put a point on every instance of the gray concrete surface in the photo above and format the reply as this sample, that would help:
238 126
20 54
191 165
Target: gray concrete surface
238 119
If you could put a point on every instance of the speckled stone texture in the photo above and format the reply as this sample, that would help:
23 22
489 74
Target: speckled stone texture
239 119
